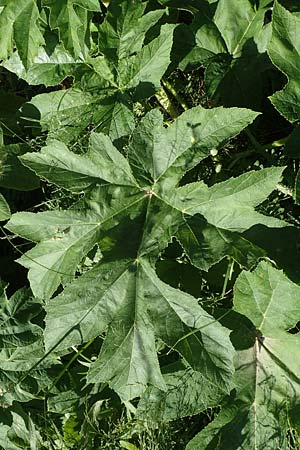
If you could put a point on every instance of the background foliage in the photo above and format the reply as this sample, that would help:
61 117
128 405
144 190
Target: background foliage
149 207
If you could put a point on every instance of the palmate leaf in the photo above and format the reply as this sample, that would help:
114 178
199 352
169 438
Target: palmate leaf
122 294
211 232
125 72
267 366
115 194
230 42
19 24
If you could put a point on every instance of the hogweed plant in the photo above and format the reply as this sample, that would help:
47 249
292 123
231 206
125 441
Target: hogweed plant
155 240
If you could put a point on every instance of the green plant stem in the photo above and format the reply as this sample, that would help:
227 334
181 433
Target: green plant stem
74 357
167 85
164 98
228 276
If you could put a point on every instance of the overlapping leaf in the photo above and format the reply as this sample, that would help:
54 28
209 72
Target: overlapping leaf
124 72
17 430
284 52
188 392
71 18
230 40
116 193
223 211
21 348
19 24
132 208
48 69
267 366
13 174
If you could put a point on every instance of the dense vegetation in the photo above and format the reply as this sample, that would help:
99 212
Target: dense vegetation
149 207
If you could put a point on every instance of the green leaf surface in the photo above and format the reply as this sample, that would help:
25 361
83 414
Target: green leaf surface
122 302
123 30
231 45
13 174
238 195
238 22
20 25
267 368
110 83
115 293
188 392
77 173
71 18
47 69
18 429
207 244
4 209
75 233
284 53
21 348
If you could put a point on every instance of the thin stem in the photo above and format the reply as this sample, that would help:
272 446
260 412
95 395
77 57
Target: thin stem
74 357
228 276
167 85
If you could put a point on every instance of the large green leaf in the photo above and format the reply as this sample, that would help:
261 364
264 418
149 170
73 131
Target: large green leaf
231 44
129 298
237 22
220 213
110 83
284 52
65 237
123 30
267 367
123 291
19 24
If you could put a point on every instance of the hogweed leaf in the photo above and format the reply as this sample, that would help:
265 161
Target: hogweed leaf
45 68
124 28
19 24
238 22
284 52
71 19
108 86
267 368
122 294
